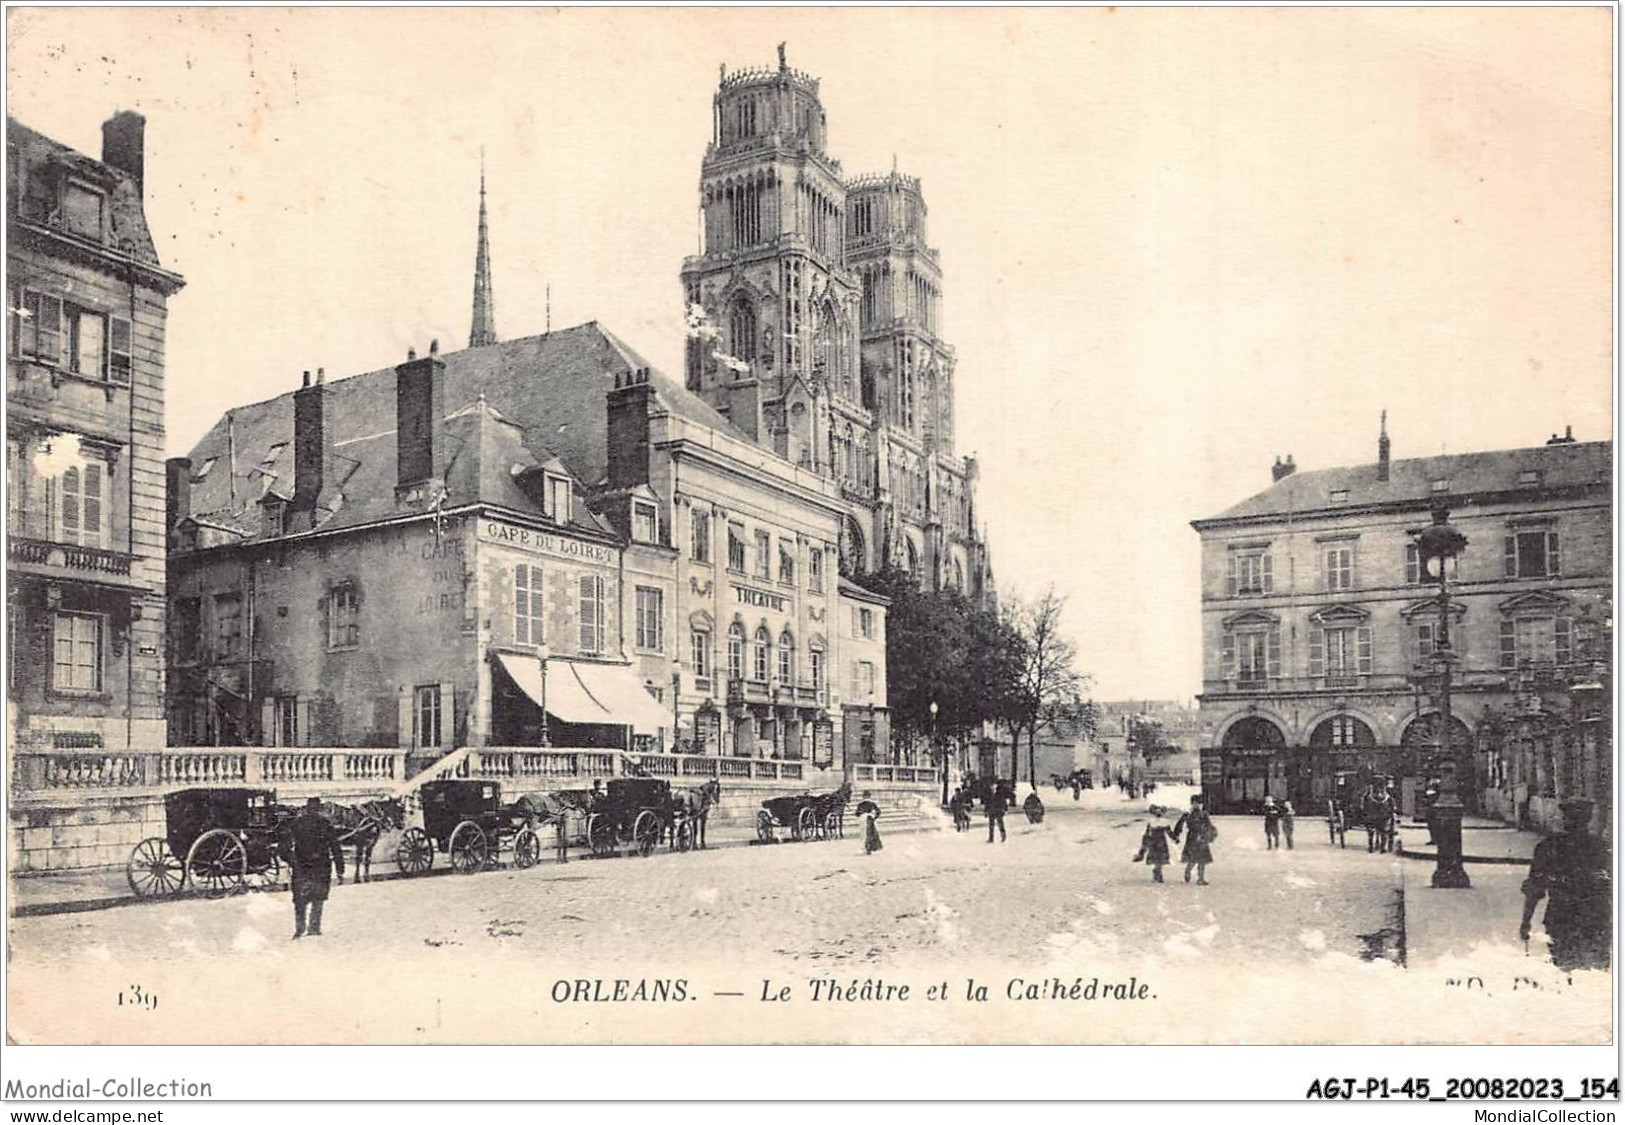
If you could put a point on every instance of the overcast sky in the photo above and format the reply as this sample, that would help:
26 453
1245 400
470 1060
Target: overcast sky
1176 243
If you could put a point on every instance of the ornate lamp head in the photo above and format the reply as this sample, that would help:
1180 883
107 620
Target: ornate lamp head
1439 541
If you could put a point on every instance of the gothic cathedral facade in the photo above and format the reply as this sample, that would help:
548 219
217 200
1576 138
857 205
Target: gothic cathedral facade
814 328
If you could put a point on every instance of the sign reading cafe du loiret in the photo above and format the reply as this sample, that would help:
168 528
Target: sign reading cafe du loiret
547 542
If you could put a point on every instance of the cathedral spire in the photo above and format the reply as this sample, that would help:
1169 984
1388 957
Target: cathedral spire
483 330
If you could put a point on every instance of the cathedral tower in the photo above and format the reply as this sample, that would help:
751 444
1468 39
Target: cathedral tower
482 328
777 304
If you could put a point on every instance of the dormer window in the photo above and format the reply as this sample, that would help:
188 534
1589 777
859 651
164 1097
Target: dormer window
83 209
274 524
645 522
1441 485
558 498
1340 496
1529 478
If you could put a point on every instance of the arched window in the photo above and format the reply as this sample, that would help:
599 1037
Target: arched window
853 559
912 557
742 329
1341 732
736 651
787 658
759 662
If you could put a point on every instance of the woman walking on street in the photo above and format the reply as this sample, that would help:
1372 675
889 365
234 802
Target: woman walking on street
1272 824
1154 848
1288 815
1199 832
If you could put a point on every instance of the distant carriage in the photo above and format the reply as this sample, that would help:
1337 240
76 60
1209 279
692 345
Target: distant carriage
215 841
807 816
467 821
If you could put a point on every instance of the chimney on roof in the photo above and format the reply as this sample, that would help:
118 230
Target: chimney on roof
420 404
177 491
629 405
1382 449
312 452
124 137
1283 469
1566 439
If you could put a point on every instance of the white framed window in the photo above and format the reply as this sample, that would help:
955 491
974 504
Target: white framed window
764 555
81 510
37 326
787 562
228 626
1532 554
736 548
650 615
1536 640
286 712
1529 478
759 654
1250 572
343 616
558 499
427 725
120 350
865 622
1340 651
1251 653
528 612
736 651
815 570
1339 566
699 644
592 605
186 627
863 679
787 658
645 522
700 536
87 343
76 663
815 667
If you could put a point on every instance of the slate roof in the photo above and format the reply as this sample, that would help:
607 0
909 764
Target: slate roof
530 401
1563 466
32 151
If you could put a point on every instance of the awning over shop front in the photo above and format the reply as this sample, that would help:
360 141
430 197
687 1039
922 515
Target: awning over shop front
578 692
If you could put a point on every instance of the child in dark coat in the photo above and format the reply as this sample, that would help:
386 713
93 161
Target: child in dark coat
1154 844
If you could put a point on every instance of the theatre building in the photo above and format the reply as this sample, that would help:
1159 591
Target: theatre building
383 561
1319 630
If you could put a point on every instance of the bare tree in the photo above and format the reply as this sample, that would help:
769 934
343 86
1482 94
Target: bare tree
1050 691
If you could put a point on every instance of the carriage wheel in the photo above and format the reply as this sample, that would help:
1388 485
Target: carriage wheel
646 831
415 855
764 826
805 822
269 877
682 835
217 863
600 834
467 848
152 871
832 825
527 848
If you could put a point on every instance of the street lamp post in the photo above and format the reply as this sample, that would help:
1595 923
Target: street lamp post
937 759
1442 542
676 687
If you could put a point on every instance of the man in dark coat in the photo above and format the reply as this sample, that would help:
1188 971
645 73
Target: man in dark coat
995 804
312 849
1571 871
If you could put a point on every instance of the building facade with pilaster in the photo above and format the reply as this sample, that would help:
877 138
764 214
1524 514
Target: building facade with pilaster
88 303
1319 631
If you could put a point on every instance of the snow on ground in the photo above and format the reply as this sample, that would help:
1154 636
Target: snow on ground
1283 946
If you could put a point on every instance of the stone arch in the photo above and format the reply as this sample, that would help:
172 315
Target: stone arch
1231 721
1421 733
1254 731
854 555
1341 730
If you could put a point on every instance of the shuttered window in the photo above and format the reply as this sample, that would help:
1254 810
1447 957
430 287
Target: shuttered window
1531 554
527 604
591 589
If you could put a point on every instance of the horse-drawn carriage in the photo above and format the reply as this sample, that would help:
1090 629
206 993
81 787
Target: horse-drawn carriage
468 822
214 841
640 812
807 816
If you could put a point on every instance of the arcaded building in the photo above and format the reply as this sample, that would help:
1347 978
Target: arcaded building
815 329
1319 631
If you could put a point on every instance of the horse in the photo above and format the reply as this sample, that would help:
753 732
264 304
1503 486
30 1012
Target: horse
695 803
834 802
1378 819
361 825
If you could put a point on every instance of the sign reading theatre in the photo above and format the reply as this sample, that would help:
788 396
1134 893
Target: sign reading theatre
547 542
761 599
